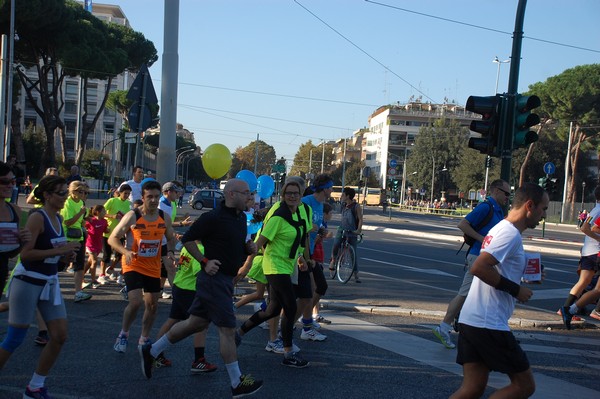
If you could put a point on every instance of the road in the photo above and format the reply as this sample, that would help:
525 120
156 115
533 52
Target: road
366 354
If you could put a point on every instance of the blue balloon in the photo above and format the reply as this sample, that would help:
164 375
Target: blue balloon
266 186
252 227
249 178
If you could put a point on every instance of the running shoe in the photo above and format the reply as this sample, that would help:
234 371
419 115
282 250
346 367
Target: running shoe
316 325
293 359
124 294
321 319
312 335
102 279
275 346
573 317
121 280
202 366
248 385
81 296
121 343
595 314
86 284
162 361
567 317
147 361
40 393
166 295
42 338
444 338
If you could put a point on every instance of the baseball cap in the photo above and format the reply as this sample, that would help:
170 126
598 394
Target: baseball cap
171 186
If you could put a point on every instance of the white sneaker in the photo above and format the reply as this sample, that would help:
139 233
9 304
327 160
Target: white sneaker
121 280
312 335
275 346
444 338
166 295
82 296
316 325
102 279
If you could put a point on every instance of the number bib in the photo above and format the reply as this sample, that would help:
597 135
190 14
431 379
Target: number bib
9 236
148 248
56 243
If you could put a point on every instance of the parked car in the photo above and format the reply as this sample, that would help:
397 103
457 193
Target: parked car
190 188
205 198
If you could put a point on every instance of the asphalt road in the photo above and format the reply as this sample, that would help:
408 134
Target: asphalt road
366 354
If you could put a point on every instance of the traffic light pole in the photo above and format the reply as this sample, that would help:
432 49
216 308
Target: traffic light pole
507 128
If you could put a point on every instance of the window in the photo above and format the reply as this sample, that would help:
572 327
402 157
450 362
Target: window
92 90
71 107
72 89
70 127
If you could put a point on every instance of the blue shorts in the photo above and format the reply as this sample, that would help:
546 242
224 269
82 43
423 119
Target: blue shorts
214 299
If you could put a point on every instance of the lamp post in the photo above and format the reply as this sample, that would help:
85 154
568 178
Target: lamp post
497 61
179 159
432 177
582 195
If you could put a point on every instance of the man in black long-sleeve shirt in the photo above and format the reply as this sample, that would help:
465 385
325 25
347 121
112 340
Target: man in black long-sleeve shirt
222 232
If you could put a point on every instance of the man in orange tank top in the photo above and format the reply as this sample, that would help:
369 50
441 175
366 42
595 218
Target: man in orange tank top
144 228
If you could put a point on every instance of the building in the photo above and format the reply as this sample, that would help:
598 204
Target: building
392 131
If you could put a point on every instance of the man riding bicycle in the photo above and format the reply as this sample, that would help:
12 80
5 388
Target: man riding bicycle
352 219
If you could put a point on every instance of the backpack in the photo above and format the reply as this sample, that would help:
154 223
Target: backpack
353 207
470 241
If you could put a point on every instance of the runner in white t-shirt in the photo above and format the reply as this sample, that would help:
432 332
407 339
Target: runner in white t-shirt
485 342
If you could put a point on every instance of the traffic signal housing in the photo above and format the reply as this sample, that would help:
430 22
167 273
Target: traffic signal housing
490 109
524 119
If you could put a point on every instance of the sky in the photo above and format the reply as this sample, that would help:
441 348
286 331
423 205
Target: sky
291 71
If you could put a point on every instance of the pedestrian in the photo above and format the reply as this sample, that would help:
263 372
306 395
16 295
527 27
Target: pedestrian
116 207
285 239
95 226
485 342
145 228
35 283
476 226
135 184
319 257
12 163
74 214
74 176
588 262
351 225
222 232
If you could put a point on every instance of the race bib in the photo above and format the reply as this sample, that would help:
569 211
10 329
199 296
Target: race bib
9 236
56 243
148 248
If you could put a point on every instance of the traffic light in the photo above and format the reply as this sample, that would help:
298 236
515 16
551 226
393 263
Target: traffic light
524 119
282 177
551 185
543 182
361 183
395 184
489 163
490 109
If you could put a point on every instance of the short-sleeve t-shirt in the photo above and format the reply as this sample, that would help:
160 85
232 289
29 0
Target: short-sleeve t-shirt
486 306
187 269
69 210
281 235
317 217
113 206
591 246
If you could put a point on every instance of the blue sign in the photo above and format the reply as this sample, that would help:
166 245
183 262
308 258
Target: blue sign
393 163
549 168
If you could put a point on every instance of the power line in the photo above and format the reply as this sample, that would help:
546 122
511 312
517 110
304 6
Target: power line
364 52
480 27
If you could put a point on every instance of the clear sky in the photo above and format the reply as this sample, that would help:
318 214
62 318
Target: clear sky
294 70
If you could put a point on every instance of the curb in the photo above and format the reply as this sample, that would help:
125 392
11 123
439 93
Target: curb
399 311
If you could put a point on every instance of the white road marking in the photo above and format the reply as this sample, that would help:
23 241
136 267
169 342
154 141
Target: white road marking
434 354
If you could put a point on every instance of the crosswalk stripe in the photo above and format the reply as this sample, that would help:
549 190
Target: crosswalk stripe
434 354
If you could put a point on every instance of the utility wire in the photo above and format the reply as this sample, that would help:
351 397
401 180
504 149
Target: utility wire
364 52
480 27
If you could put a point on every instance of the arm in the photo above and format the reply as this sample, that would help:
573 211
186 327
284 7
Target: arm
32 200
484 269
466 228
119 232
71 221
359 214
591 231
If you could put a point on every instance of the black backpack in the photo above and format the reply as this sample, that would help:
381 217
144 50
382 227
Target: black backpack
470 241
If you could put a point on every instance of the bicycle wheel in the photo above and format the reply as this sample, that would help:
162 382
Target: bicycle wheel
345 266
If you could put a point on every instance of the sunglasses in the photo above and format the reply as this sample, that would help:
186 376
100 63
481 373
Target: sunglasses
507 193
61 193
5 181
83 192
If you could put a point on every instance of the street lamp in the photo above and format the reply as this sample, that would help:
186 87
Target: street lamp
432 177
179 159
497 61
582 195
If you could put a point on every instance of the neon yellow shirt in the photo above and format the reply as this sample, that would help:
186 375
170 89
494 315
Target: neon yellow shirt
113 206
188 267
69 210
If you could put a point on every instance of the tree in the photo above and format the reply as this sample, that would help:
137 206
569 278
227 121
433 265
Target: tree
303 162
437 146
59 38
572 96
245 158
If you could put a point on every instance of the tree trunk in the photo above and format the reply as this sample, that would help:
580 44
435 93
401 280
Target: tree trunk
578 138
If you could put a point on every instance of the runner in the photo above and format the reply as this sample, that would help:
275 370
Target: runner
116 207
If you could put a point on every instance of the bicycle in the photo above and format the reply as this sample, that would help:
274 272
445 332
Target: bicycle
345 261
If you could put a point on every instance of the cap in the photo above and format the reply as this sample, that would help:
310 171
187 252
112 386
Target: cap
171 186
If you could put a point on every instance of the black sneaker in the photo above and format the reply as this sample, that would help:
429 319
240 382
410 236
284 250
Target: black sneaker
147 359
566 316
248 385
294 360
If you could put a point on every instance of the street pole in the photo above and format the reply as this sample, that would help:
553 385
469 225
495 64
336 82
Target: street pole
256 155
507 128
323 158
582 195
567 166
432 177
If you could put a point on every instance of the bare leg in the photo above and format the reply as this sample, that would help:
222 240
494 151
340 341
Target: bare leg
58 332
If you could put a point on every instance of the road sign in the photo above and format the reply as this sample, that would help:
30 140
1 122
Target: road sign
393 163
134 117
549 168
391 171
135 91
130 138
143 94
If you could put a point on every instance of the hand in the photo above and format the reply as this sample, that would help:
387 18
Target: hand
212 267
242 273
129 255
524 294
187 221
302 265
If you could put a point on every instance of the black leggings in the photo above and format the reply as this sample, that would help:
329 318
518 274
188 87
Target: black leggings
3 271
320 281
281 296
